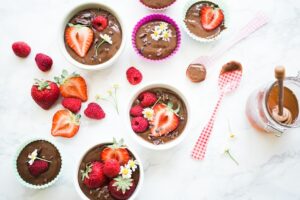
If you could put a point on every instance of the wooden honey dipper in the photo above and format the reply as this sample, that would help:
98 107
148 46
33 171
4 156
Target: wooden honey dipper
279 75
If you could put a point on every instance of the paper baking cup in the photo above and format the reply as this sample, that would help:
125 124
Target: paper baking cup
155 17
19 178
195 37
157 9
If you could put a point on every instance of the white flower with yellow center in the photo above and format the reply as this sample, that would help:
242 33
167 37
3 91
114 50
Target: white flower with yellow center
166 35
163 26
148 113
32 156
106 38
156 34
125 172
132 164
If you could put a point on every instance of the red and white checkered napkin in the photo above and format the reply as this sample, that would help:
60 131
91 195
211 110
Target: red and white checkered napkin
228 82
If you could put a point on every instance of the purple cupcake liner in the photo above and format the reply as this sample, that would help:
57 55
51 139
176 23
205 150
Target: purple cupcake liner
157 9
155 17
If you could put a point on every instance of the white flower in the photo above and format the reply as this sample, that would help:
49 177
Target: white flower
106 38
132 164
166 35
116 86
125 172
156 34
148 113
163 26
32 156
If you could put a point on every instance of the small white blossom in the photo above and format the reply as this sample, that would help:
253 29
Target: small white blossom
132 164
106 38
125 172
148 113
32 156
163 26
166 35
156 35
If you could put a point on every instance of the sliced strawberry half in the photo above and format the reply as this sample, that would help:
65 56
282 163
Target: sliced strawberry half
79 38
116 151
165 120
211 18
65 124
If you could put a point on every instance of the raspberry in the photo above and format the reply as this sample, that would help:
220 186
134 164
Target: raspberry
134 76
99 23
147 99
43 62
139 124
94 111
21 49
38 167
111 168
136 111
72 104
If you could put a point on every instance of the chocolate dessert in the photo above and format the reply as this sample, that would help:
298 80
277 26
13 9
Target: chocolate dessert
290 104
156 39
205 19
157 4
39 162
93 36
158 115
196 72
97 183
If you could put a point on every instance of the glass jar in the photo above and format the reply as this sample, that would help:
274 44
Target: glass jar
258 107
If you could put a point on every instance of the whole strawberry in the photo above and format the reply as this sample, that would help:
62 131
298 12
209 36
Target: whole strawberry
94 111
72 104
21 49
38 167
43 62
93 176
44 93
121 188
111 168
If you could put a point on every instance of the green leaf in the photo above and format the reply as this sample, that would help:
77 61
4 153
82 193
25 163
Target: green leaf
123 184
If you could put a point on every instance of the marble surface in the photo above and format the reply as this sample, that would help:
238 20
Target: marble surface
269 166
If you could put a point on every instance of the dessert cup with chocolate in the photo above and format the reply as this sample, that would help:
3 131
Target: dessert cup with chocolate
157 4
156 37
158 116
96 177
197 26
262 107
38 164
92 36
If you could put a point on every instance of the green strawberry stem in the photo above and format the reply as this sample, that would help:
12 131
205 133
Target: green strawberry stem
227 152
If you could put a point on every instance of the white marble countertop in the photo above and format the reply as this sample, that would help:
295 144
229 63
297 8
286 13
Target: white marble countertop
269 166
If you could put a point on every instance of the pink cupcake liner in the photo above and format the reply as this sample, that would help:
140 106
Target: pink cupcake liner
155 17
157 9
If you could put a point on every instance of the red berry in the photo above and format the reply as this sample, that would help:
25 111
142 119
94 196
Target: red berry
38 167
134 76
93 176
147 99
111 168
43 62
121 189
139 124
72 104
45 93
21 49
136 111
94 111
99 23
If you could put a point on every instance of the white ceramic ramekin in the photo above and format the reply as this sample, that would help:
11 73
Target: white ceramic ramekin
67 18
138 187
139 139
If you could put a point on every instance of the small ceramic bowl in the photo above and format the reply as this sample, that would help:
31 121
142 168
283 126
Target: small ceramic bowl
142 141
20 179
157 9
141 178
67 18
